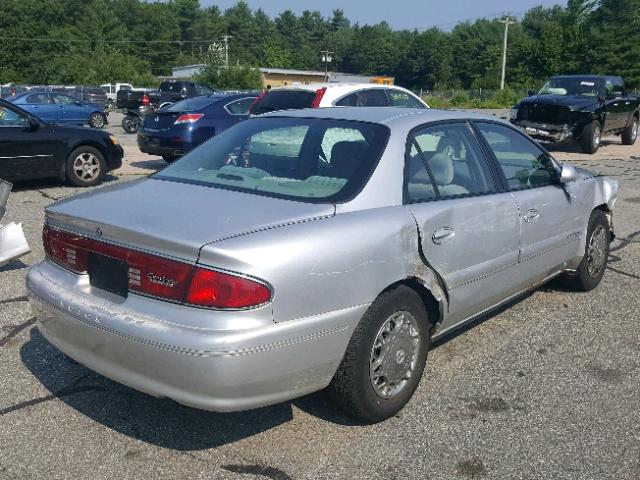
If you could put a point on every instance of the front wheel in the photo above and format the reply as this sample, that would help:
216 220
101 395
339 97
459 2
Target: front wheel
630 133
591 136
130 124
97 120
591 269
385 357
85 167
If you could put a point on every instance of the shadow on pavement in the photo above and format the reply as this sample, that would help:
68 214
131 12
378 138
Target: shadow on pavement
154 165
161 422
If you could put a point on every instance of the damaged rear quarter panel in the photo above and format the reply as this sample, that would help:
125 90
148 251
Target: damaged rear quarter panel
328 264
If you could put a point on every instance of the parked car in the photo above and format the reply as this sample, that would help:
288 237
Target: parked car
579 109
320 95
32 148
12 90
85 93
170 91
313 248
61 109
111 90
179 128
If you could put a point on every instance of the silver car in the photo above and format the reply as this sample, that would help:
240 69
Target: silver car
316 248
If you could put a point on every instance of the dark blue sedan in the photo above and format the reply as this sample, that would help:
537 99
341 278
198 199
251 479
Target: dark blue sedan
60 109
179 128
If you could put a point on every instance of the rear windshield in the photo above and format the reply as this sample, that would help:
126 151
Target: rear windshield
283 100
311 160
190 104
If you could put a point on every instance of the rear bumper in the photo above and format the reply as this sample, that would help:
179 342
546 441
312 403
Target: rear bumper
164 145
218 370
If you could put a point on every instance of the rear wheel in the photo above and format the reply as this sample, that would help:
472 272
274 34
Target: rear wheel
97 120
591 269
85 167
385 357
169 158
130 124
591 136
630 133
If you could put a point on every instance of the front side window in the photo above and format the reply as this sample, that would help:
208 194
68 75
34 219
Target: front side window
63 99
523 163
11 118
445 161
374 97
398 98
312 160
240 107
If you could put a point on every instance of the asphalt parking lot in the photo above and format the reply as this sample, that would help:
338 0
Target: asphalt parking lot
547 388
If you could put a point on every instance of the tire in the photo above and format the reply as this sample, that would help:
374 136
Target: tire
591 136
85 167
169 158
594 263
630 133
352 388
130 124
97 120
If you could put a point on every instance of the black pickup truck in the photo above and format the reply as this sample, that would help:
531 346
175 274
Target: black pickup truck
580 109
170 91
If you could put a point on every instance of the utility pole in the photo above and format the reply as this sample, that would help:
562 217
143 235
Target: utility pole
507 21
326 59
225 39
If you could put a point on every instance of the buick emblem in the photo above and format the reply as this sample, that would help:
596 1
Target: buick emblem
98 232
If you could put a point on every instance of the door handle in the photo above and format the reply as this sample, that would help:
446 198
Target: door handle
443 235
531 215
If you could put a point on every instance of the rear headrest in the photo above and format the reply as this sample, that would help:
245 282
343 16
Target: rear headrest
346 158
442 168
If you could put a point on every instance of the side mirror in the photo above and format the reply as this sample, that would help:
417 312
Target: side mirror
33 124
568 173
531 93
78 102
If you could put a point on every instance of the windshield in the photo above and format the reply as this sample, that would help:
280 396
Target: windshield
194 103
312 160
588 87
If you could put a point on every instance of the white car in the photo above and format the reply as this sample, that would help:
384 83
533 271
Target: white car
321 95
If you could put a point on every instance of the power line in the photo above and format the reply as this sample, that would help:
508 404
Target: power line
73 40
488 16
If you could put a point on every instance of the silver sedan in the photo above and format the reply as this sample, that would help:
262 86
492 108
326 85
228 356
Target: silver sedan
316 248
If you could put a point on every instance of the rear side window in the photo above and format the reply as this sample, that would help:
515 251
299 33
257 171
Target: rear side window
374 97
522 162
38 98
283 100
241 106
398 98
310 160
445 161
191 104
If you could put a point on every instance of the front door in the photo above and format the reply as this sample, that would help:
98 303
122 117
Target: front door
550 226
25 151
468 228
70 111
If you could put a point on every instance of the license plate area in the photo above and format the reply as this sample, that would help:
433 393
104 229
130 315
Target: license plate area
109 274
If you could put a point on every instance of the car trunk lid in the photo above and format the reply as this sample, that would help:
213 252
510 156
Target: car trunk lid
159 121
175 219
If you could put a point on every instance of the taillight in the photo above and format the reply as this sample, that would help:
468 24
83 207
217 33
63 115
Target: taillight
257 100
210 288
146 100
157 276
188 118
318 98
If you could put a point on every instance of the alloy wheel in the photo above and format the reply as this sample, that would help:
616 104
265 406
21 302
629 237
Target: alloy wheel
597 251
86 167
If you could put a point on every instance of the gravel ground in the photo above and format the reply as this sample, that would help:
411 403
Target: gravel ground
547 388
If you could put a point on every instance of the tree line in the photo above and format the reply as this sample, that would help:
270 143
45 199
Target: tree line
99 41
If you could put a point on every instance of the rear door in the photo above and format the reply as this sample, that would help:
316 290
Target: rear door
26 152
468 227
40 105
549 221
370 97
69 110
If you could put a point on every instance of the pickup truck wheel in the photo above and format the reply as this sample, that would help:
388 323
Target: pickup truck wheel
385 357
97 120
591 136
630 133
85 167
130 124
591 269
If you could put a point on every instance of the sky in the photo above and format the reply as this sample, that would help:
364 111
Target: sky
399 14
